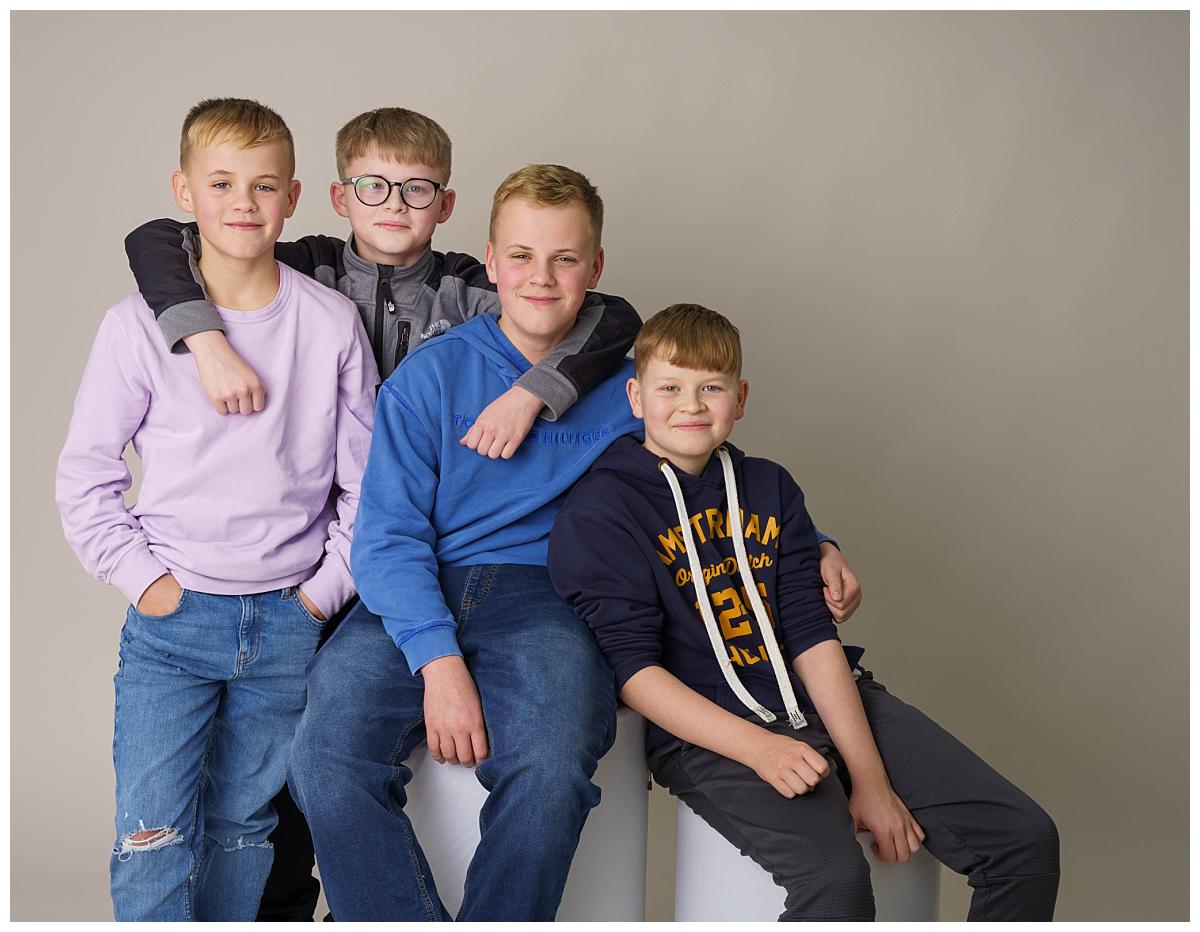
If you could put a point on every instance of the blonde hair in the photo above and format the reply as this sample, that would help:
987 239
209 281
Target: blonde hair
550 186
398 134
692 337
244 122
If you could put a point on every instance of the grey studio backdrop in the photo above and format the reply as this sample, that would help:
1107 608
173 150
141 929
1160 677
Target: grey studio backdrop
956 245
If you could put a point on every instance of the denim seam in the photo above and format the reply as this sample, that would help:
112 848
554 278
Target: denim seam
410 841
197 834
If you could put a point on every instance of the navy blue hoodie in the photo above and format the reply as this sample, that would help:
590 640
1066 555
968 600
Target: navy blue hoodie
617 555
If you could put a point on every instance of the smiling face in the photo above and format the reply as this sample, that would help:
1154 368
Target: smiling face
392 233
239 196
688 413
542 260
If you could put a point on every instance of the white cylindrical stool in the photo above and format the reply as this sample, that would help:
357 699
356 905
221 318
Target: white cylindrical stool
608 875
713 881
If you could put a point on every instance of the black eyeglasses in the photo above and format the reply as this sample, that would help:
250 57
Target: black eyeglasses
373 190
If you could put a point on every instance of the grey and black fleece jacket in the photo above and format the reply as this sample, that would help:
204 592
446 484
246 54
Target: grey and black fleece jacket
400 308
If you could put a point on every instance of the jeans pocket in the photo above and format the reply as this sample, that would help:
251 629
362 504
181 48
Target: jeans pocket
183 597
293 596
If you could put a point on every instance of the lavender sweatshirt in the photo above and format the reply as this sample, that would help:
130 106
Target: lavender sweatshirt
228 505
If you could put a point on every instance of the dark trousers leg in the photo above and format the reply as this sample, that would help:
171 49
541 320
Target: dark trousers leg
976 822
806 843
292 890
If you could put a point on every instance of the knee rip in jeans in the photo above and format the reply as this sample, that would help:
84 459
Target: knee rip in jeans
147 840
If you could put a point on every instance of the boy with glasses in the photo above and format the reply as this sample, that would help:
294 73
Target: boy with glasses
238 547
393 175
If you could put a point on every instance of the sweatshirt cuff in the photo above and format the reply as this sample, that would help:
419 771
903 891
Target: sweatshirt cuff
184 319
134 574
437 640
624 671
795 646
328 589
825 538
555 390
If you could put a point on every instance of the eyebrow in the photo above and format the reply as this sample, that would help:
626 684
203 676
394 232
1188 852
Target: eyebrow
562 249
222 171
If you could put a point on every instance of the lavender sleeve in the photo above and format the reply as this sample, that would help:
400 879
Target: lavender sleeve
332 585
92 477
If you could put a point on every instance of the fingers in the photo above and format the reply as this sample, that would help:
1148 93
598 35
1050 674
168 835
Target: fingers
474 435
479 744
851 598
487 442
433 740
246 400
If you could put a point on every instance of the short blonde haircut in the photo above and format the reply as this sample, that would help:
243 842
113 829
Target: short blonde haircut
692 337
397 134
550 186
244 122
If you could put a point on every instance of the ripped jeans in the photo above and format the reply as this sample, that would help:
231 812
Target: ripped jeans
207 700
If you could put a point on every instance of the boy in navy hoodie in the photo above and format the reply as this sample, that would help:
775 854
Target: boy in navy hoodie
697 569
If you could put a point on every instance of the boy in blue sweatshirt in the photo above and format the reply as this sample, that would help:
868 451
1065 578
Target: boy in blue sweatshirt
697 568
465 644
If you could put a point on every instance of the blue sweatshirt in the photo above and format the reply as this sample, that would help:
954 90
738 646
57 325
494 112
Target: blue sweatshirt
426 500
617 554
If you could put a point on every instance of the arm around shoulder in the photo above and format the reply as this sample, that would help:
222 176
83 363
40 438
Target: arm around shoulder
594 349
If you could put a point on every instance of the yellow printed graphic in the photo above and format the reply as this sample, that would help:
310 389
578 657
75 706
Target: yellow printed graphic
716 523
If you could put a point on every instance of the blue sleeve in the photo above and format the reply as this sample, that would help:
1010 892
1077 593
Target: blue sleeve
804 617
393 557
596 565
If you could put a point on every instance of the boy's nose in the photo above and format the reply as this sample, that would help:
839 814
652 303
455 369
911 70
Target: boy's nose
395 201
542 274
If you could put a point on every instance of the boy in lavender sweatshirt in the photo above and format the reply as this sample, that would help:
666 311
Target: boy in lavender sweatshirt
238 547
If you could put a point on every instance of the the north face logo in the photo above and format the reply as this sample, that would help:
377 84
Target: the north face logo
436 329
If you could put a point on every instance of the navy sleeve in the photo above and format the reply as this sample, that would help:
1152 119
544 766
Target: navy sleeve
318 257
594 349
164 256
804 618
597 566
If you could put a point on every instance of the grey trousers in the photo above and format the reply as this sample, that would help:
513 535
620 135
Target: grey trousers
975 821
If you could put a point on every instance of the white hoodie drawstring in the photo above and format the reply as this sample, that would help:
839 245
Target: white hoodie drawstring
778 665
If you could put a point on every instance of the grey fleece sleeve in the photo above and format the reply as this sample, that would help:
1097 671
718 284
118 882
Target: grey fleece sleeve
163 255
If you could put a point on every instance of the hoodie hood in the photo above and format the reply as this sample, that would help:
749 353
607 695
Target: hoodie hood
629 459
483 334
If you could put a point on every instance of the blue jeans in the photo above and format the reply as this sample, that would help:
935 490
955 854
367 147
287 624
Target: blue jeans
207 701
549 705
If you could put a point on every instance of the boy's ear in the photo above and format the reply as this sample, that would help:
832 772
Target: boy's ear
597 268
337 197
448 198
183 194
743 394
633 392
489 261
293 196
